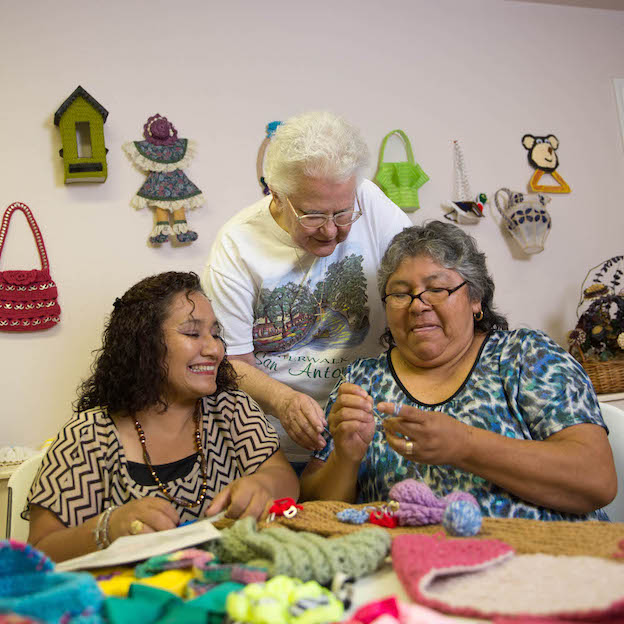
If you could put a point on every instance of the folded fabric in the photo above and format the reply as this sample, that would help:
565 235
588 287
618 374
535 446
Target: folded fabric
186 558
306 556
150 605
486 579
119 584
14 618
30 586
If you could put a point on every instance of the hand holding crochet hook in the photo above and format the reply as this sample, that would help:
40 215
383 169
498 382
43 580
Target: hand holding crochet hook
424 436
351 422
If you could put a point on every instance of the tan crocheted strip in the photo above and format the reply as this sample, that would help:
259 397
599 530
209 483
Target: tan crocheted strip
595 539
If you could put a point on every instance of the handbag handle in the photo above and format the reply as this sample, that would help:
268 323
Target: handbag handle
406 141
43 256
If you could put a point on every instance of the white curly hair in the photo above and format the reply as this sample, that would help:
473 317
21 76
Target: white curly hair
316 144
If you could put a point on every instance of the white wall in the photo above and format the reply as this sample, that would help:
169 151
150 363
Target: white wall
482 71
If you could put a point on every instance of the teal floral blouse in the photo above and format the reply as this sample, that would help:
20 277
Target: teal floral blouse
522 385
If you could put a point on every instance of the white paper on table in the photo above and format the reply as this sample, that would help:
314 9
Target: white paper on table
136 547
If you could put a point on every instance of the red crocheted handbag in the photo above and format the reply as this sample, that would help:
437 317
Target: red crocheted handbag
28 299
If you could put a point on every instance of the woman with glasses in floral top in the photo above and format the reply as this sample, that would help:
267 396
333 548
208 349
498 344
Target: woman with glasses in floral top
292 277
461 402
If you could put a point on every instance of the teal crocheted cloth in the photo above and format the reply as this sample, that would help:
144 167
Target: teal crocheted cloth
302 555
30 586
151 605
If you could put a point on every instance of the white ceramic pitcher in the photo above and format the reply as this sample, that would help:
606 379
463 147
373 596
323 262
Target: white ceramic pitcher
525 217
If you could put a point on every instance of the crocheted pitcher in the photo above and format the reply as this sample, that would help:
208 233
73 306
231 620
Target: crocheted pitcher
525 217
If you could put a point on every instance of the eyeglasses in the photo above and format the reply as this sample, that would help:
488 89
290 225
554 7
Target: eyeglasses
317 220
431 296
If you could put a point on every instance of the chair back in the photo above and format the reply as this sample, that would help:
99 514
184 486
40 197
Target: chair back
614 419
17 491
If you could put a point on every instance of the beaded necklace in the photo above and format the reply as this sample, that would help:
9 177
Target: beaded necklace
200 452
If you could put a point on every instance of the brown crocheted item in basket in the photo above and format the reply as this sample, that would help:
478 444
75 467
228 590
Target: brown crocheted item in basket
592 538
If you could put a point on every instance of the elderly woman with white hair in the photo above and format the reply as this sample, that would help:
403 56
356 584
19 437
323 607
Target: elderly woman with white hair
292 277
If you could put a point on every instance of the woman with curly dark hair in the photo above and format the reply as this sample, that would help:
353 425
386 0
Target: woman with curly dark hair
161 435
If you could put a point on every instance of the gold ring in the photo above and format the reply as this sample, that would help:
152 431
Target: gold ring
409 447
136 526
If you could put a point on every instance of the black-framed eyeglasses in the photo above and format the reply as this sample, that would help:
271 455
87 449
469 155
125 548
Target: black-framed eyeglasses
317 220
431 296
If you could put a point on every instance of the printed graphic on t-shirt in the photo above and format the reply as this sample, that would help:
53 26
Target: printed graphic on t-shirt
329 313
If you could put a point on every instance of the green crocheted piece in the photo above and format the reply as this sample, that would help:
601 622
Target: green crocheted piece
303 555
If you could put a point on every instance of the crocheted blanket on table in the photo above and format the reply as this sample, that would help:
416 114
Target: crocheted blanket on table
592 538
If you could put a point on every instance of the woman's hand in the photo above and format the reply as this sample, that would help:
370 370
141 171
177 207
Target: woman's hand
303 419
432 437
246 496
155 514
351 422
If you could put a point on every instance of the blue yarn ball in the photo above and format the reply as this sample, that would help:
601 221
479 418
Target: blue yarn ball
462 518
352 516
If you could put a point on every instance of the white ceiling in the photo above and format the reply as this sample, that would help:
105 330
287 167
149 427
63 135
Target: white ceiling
614 5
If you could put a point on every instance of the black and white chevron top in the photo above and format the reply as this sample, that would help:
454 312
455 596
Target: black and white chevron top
85 469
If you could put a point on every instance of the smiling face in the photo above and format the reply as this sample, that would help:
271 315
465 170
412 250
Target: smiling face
194 349
428 336
316 196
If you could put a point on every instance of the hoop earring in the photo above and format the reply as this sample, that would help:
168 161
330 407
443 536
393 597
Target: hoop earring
478 316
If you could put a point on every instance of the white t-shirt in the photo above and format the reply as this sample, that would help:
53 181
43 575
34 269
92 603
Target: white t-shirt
304 317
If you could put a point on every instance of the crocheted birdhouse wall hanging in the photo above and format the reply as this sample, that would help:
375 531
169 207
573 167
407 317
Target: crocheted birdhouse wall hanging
80 119
542 156
167 189
465 208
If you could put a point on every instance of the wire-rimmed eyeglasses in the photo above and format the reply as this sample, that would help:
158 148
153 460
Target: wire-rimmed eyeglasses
431 296
314 221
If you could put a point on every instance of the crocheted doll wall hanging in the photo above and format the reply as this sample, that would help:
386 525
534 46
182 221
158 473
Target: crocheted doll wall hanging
542 155
167 189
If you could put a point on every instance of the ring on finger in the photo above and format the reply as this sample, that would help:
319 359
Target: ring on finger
409 447
136 526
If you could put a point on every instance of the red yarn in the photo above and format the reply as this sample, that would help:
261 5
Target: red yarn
383 519
281 505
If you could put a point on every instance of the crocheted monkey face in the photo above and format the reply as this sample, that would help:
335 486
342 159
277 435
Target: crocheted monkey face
194 348
542 152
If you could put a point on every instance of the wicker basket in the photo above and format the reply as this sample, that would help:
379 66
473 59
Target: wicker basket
608 376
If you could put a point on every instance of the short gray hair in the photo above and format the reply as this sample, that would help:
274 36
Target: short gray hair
452 248
315 144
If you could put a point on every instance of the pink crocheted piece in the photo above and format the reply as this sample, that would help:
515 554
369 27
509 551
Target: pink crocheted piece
418 505
392 611
485 579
